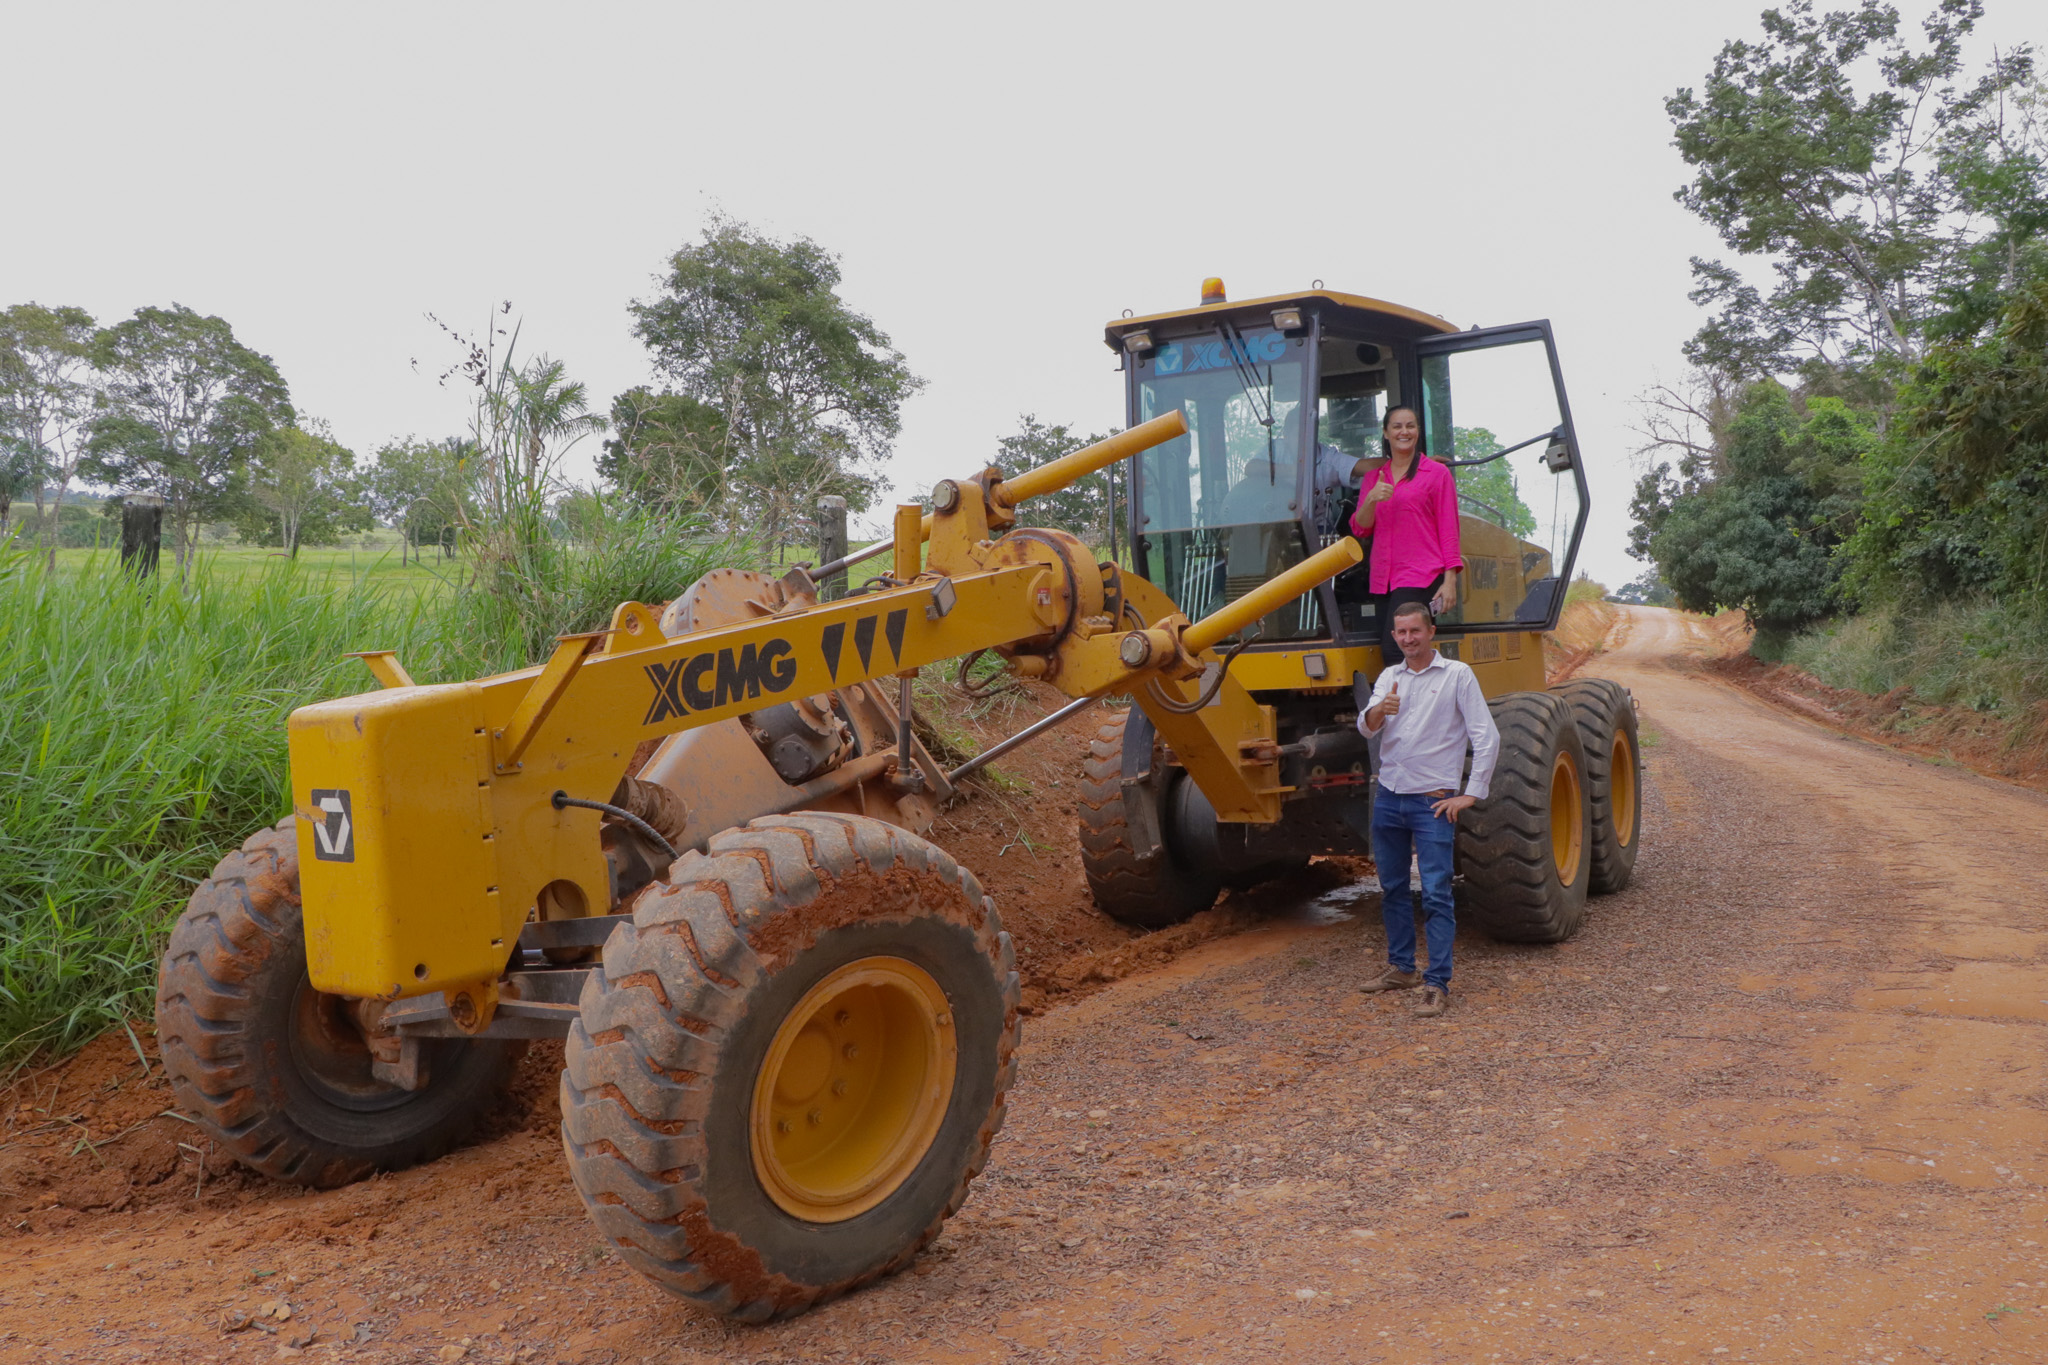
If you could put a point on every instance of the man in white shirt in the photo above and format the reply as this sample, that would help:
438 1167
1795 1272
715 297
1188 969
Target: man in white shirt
1427 710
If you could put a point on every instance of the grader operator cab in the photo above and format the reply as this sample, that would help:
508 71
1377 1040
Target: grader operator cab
791 1021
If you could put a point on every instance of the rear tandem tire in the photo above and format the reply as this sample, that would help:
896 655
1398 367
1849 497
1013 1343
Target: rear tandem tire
1523 850
1606 717
791 1063
1133 877
274 1070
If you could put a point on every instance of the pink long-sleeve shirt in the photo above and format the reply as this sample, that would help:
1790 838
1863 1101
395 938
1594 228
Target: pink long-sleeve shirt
1415 532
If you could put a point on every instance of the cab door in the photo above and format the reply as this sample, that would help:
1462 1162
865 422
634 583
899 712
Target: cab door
1494 409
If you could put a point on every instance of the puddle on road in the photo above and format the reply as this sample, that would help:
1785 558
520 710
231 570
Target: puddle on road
1340 906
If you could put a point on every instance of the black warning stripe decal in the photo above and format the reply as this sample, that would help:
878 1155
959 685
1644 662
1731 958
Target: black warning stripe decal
894 630
864 640
834 638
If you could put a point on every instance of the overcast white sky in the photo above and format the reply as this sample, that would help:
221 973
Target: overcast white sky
998 181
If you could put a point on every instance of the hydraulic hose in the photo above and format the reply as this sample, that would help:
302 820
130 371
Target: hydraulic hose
624 816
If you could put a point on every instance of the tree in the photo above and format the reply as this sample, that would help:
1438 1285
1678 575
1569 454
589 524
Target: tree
1760 532
1997 160
530 417
1853 197
1646 589
1083 508
46 398
668 451
525 419
550 413
304 490
1490 490
184 407
419 487
1958 491
21 468
811 390
581 516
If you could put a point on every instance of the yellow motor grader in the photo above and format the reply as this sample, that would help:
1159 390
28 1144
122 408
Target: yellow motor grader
790 1020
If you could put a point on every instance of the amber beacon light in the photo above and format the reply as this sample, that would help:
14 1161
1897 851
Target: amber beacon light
1212 291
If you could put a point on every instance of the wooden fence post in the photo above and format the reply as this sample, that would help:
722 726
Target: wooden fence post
832 545
142 533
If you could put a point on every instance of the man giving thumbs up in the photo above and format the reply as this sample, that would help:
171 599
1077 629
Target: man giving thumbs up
1416 805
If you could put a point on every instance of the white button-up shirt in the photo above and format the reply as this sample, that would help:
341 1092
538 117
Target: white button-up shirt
1442 710
1335 468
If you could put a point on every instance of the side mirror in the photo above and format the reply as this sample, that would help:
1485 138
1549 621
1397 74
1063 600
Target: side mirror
1558 455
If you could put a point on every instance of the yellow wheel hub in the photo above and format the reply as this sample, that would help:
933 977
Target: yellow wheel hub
853 1089
1621 781
1567 826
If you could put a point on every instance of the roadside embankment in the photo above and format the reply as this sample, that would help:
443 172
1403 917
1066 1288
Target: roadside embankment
1958 685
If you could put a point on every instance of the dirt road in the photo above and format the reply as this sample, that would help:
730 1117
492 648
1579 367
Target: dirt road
1783 1099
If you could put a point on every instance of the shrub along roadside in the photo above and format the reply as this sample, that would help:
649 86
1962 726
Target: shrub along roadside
142 736
1981 652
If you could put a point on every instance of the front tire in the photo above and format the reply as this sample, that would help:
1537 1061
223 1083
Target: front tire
1523 850
1133 876
791 1064
274 1070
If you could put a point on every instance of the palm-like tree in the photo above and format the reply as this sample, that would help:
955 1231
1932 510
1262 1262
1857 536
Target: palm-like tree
550 413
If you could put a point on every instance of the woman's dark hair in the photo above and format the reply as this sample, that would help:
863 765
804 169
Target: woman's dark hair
1388 446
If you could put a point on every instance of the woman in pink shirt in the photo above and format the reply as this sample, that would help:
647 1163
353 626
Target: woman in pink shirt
1409 506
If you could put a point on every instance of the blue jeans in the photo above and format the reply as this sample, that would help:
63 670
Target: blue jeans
1401 825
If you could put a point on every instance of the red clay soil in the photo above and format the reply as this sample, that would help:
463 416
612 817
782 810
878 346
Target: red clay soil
1582 632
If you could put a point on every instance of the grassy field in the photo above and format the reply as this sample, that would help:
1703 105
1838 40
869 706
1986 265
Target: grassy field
373 566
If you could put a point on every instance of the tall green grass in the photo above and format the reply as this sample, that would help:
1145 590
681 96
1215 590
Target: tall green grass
142 734
1984 653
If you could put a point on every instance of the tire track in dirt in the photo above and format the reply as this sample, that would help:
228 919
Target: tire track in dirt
1702 1129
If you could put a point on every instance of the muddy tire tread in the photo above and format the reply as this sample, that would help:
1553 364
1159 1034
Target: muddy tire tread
637 1089
1512 891
1598 705
236 921
1145 889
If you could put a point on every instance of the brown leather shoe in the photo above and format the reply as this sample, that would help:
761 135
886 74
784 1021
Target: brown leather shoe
1435 1002
1392 979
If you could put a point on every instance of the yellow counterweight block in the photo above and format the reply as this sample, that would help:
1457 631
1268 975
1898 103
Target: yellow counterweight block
398 841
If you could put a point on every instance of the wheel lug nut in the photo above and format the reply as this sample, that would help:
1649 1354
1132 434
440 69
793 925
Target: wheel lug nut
782 1125
850 1051
841 1017
814 1118
839 1086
